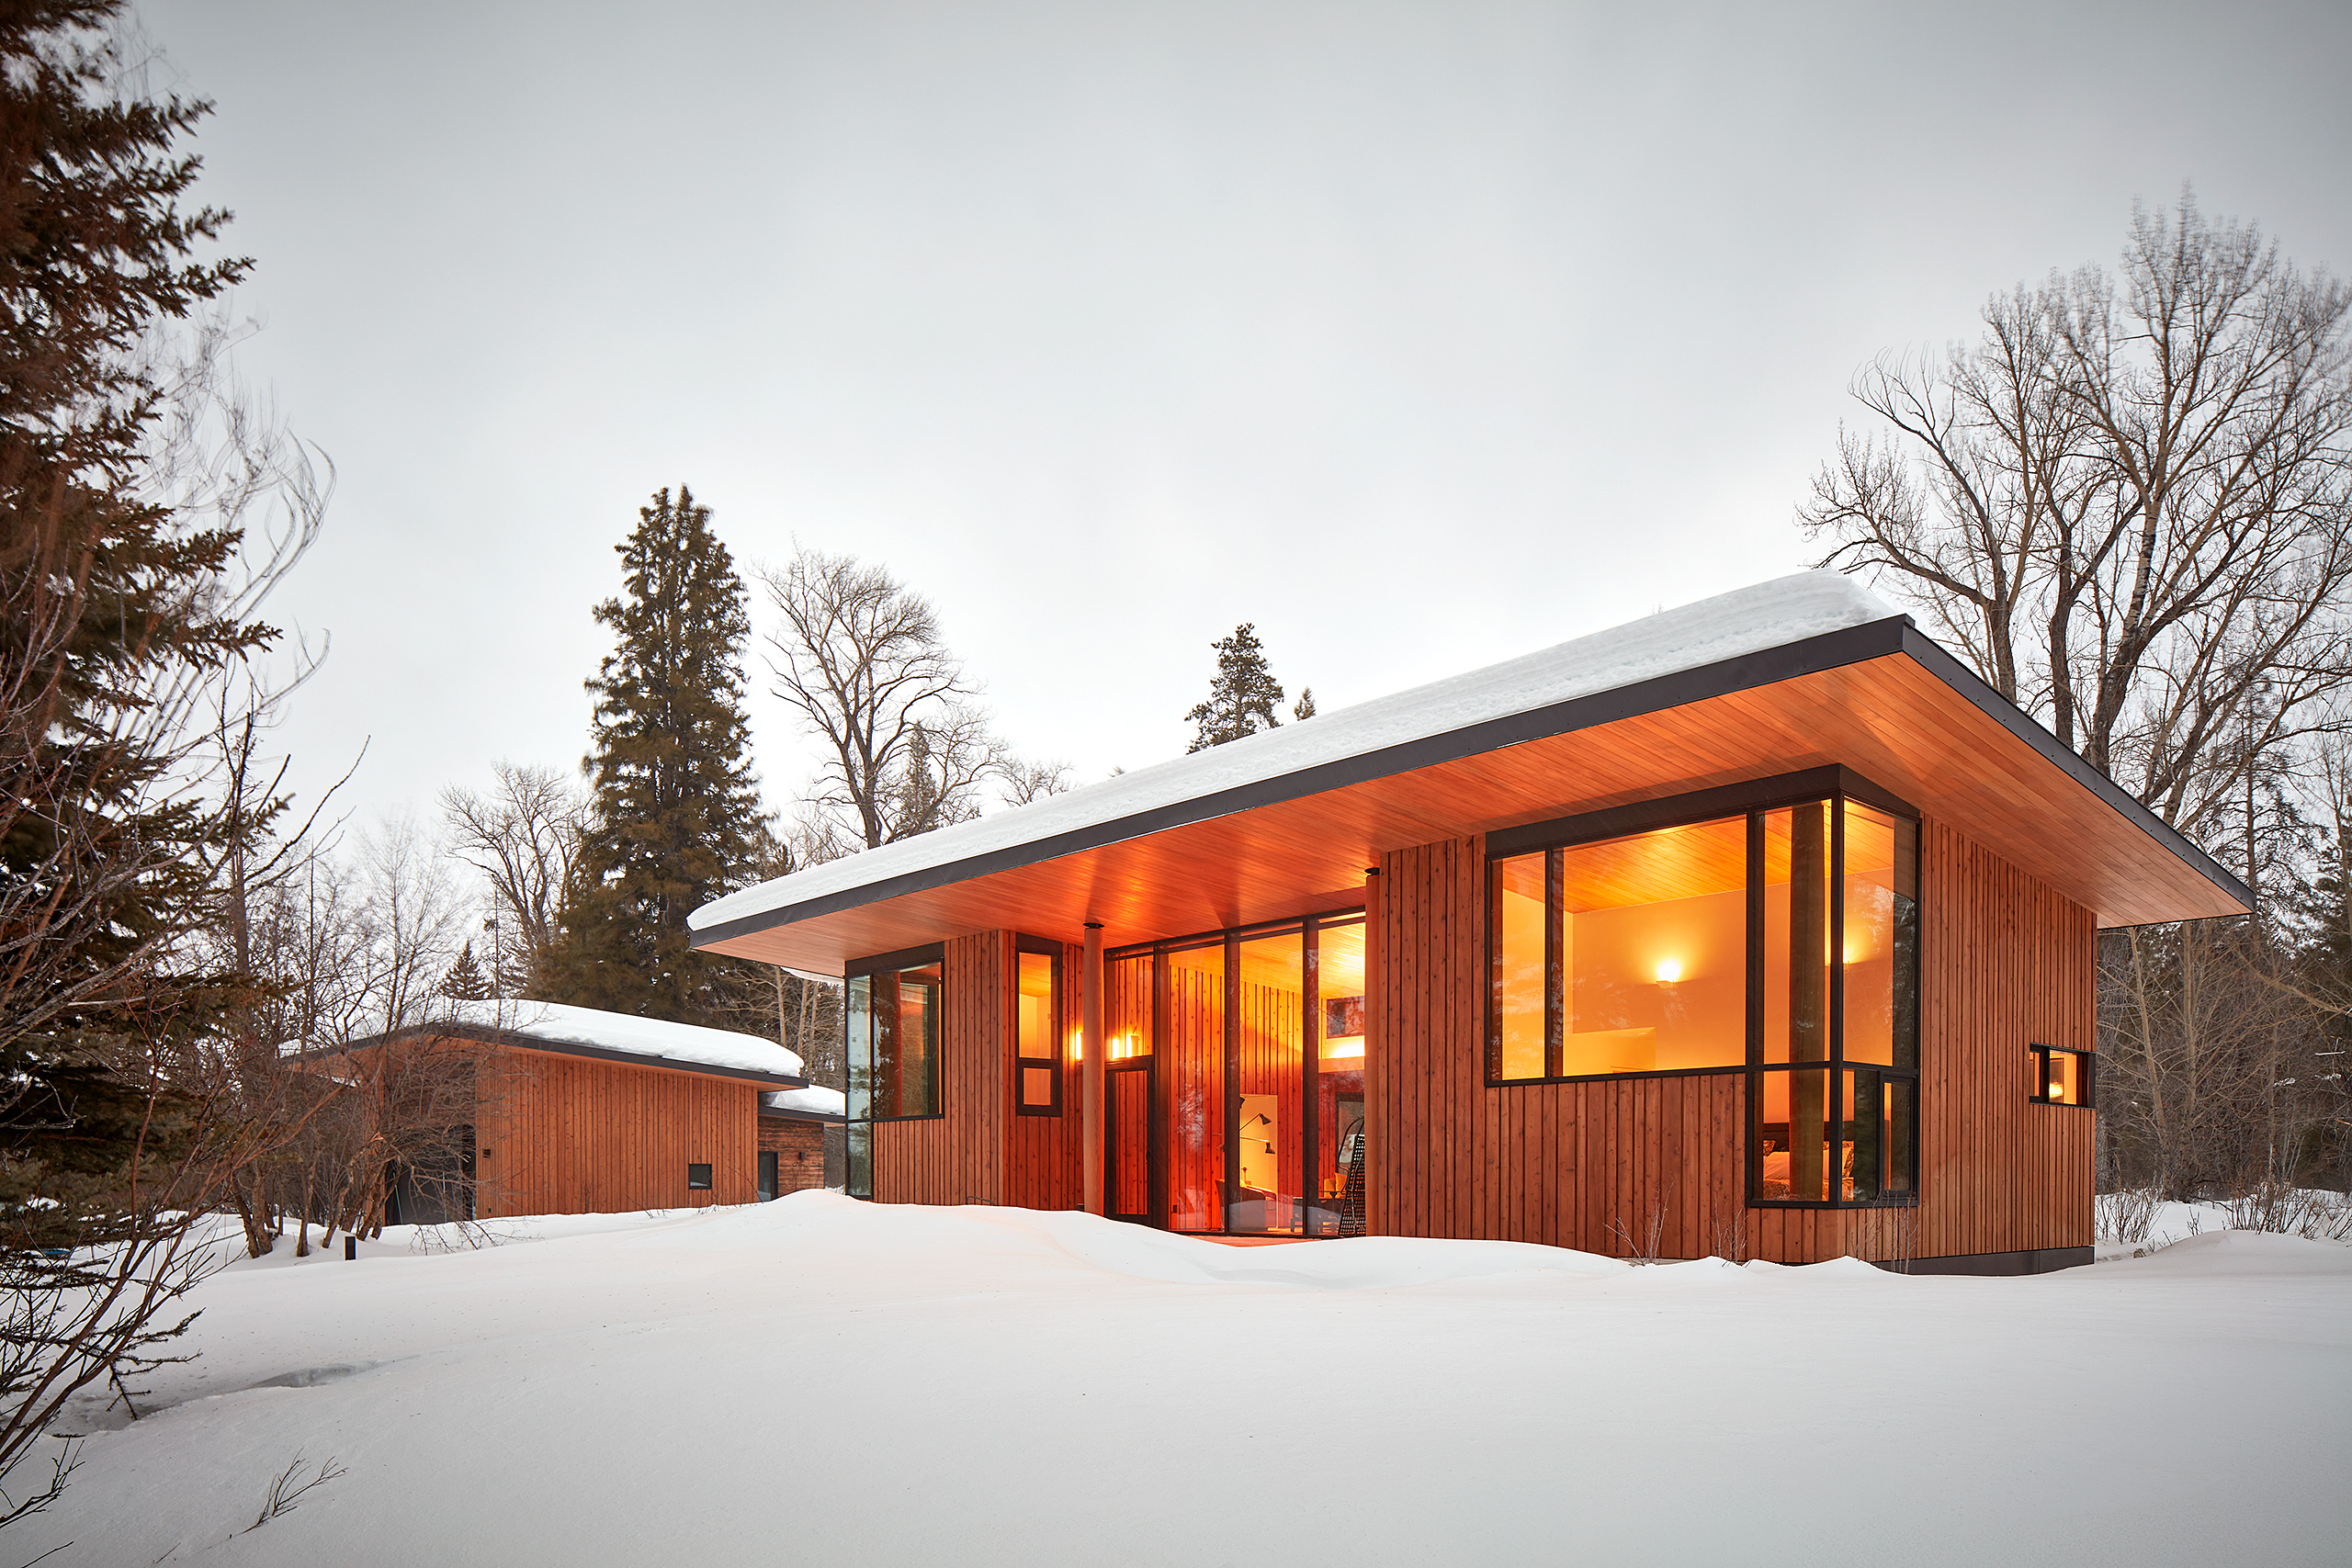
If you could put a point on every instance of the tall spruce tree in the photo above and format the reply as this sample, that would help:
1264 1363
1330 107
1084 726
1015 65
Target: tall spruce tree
1242 698
676 812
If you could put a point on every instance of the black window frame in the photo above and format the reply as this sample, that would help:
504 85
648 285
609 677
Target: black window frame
1309 929
859 1130
1056 1029
1835 785
706 1184
2086 1067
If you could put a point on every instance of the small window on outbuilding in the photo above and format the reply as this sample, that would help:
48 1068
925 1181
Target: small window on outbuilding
2060 1077
697 1178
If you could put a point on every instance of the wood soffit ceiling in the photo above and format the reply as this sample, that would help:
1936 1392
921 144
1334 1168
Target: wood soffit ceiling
1913 721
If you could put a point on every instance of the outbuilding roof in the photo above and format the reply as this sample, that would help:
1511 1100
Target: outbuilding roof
815 1103
1784 633
592 1032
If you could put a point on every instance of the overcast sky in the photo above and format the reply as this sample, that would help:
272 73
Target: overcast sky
1420 335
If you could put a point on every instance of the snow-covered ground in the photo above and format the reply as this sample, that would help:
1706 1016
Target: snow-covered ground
820 1381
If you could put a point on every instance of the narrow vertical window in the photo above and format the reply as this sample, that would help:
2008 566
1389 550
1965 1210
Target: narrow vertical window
895 1024
1515 1043
1792 1144
1037 1029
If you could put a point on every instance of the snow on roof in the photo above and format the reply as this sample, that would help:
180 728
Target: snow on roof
1748 620
653 1038
815 1100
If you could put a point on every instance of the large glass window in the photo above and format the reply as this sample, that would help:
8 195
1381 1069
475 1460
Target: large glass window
894 1021
1629 955
1250 1046
1783 939
1037 1029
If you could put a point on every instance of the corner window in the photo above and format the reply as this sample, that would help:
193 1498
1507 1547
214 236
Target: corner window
1629 955
697 1178
2060 1075
895 1029
1782 941
1037 1028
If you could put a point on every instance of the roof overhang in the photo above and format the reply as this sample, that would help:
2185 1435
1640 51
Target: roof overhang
515 1041
1880 698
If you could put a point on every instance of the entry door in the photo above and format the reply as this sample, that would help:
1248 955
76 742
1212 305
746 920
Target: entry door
1127 1175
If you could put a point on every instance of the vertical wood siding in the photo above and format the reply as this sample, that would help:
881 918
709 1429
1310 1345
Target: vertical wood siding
958 1157
2005 959
568 1136
1045 1153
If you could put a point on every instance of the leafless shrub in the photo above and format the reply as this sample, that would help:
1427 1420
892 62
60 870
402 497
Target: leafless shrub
2125 1214
1727 1230
2278 1207
1643 1247
1904 1224
288 1488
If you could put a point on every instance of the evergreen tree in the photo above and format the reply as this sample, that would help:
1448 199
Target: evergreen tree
675 810
1305 708
1243 697
108 604
465 982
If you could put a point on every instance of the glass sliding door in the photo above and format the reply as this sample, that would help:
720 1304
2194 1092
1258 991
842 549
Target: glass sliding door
1336 1166
1193 1002
1130 1031
1258 1071
1268 1086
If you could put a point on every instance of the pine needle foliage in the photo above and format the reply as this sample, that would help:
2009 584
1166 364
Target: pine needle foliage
107 617
1242 698
675 811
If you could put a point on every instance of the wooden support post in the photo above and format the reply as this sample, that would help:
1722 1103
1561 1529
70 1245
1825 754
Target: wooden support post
1090 1065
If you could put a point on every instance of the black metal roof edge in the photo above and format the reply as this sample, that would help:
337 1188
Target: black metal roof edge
1932 657
1696 806
789 1114
522 1041
1764 667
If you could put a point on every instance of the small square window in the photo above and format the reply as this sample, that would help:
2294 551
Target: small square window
697 1178
2060 1075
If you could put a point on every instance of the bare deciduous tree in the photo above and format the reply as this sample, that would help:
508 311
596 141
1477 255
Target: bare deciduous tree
861 658
2127 503
523 836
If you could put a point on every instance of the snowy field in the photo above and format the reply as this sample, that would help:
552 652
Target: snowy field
819 1381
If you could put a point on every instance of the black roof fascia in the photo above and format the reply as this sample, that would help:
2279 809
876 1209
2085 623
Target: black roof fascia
788 1114
564 1048
1933 658
1808 656
1765 667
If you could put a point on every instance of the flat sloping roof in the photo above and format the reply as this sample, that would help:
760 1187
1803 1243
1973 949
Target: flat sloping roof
1791 633
815 1103
612 1036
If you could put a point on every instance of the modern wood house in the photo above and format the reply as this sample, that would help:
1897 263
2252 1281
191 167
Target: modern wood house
575 1110
1759 927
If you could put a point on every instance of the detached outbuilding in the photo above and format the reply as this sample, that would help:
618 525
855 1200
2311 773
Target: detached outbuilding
576 1111
1759 927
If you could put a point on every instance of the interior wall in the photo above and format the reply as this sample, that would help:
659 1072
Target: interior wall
2005 959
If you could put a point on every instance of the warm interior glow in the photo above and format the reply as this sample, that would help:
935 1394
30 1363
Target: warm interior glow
1343 1046
1669 970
